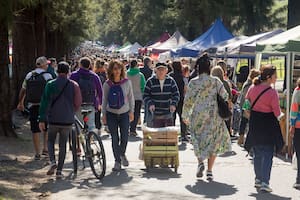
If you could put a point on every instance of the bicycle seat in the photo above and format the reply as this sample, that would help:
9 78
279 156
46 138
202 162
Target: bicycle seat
86 112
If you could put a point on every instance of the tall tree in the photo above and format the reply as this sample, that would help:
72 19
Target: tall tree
293 13
5 86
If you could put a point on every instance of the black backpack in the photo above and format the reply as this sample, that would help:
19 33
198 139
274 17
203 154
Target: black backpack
87 88
35 86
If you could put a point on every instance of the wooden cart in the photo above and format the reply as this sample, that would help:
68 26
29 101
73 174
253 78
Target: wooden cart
160 147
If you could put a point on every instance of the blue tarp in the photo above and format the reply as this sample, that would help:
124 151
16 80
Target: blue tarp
215 34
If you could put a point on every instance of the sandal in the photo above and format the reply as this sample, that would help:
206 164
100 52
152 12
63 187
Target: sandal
45 153
209 176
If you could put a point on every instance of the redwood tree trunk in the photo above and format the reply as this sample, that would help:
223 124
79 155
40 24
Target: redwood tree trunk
5 87
24 47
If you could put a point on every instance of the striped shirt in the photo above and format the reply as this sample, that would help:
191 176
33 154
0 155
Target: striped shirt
295 114
162 99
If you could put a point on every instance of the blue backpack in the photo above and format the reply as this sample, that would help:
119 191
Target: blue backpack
115 95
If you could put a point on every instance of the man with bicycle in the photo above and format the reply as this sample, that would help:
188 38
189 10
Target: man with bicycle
91 90
61 99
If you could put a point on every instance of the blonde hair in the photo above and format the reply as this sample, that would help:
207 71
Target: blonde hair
217 71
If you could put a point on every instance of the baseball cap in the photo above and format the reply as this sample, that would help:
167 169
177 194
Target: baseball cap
159 65
41 61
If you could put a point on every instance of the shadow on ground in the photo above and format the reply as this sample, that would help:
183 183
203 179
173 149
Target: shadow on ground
268 196
211 190
160 173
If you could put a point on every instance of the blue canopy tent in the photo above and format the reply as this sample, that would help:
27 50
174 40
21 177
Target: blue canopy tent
215 34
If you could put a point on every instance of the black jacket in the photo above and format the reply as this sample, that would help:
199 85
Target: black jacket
178 77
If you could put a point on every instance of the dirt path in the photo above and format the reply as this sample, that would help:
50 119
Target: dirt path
21 176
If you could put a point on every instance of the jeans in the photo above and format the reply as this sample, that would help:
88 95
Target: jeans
263 159
137 114
116 122
64 132
296 141
91 116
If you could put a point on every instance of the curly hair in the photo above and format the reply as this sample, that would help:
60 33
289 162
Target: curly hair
110 70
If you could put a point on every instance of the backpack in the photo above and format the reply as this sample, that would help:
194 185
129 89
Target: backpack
35 86
115 95
87 88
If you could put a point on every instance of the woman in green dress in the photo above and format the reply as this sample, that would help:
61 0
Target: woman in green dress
209 134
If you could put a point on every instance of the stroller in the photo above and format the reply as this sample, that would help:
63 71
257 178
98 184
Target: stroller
160 142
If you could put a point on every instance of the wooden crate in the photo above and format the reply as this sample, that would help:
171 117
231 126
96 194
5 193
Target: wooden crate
160 136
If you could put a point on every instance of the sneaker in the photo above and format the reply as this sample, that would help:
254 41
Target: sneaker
257 183
200 170
209 176
117 166
37 157
184 139
59 175
106 129
265 187
53 167
133 133
124 161
297 186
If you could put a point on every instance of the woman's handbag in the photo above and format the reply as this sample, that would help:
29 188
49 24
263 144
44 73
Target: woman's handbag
223 107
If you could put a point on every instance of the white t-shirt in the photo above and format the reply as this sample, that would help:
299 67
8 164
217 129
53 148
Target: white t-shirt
161 84
47 76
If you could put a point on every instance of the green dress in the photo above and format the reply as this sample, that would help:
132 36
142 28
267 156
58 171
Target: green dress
209 133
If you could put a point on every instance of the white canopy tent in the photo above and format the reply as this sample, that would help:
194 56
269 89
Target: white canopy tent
287 44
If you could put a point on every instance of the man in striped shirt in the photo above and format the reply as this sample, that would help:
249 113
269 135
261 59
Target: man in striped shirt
161 96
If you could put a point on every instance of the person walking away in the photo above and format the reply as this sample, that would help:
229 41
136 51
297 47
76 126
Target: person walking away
61 99
117 110
100 70
32 88
147 70
91 90
162 96
244 119
264 129
209 134
52 67
186 75
228 87
138 84
295 128
177 75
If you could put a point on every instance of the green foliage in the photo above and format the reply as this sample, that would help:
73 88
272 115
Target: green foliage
143 21
75 19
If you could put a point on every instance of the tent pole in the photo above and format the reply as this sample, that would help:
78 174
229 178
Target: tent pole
258 57
290 60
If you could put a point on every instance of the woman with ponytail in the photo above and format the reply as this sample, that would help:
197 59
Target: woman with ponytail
264 129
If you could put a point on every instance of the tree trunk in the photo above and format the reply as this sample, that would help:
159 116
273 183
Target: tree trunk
40 30
24 47
5 87
293 13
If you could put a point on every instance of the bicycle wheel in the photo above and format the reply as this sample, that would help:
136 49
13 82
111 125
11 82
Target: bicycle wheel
96 155
74 149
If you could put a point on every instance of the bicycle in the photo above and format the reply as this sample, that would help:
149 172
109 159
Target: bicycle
91 144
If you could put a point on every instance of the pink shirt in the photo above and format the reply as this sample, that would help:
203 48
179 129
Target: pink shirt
268 102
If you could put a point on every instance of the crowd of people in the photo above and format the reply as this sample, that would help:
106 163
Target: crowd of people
116 90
